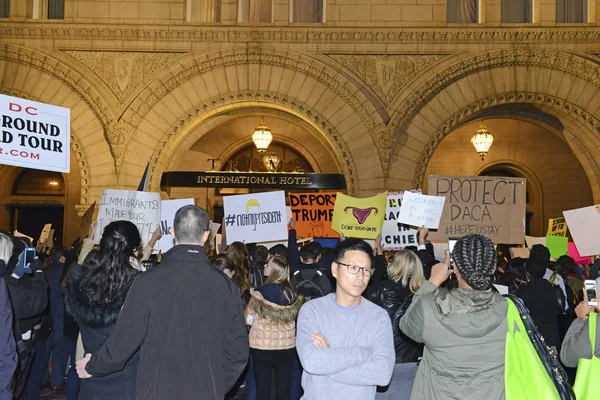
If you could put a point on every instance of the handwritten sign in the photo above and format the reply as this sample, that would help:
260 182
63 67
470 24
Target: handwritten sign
421 210
86 220
141 208
490 206
44 235
257 217
34 135
313 213
168 210
359 218
557 227
395 235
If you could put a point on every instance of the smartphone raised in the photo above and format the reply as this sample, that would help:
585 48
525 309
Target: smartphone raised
451 243
591 291
28 257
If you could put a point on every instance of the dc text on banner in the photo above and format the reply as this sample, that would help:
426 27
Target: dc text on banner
34 135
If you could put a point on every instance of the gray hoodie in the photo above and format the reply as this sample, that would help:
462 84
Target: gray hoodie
464 332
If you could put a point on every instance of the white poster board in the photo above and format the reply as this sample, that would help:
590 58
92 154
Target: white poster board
521 252
45 233
141 208
584 224
395 235
168 210
421 210
532 241
34 135
257 217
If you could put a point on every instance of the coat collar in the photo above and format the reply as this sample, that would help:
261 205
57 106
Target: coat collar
186 252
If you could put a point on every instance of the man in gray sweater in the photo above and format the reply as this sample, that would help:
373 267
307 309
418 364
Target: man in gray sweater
344 341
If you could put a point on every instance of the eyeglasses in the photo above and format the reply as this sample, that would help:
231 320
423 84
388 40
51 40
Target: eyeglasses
353 269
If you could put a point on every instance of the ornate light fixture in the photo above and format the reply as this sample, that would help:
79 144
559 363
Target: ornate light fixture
262 136
271 161
482 141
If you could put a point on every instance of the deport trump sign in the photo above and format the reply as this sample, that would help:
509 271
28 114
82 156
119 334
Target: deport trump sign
34 135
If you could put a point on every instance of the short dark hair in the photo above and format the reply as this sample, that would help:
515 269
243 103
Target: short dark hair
516 268
279 250
260 254
311 251
568 263
56 253
539 254
222 262
190 224
352 244
536 268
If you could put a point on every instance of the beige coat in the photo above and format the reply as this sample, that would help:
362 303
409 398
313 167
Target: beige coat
274 326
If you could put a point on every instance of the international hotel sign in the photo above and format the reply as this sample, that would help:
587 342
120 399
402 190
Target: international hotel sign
253 180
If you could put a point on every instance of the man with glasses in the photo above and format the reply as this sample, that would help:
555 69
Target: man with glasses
344 341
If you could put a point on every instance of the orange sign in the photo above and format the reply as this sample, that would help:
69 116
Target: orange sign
313 213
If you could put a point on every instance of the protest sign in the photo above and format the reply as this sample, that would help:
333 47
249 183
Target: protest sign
44 235
421 210
557 227
86 220
574 253
359 218
218 241
521 252
257 217
584 224
490 206
50 240
168 210
34 135
16 233
394 235
214 228
141 208
532 241
557 245
313 213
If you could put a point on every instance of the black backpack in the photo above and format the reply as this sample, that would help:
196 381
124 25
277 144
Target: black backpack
311 283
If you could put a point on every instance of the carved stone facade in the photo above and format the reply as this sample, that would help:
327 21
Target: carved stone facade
378 95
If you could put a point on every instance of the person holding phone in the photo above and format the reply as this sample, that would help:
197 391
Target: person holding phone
577 341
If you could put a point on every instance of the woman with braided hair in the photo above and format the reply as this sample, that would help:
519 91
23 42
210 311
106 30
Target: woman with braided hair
463 329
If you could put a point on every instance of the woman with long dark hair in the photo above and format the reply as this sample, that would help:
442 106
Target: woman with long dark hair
95 293
238 253
273 308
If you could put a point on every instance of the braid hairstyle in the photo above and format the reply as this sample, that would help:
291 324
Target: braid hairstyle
476 259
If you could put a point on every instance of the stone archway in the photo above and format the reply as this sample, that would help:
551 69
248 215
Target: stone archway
294 83
559 83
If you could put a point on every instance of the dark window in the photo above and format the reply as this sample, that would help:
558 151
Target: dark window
571 11
307 11
516 11
462 11
56 9
4 8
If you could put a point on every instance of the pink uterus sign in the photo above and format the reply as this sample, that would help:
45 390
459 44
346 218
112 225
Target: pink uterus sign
361 214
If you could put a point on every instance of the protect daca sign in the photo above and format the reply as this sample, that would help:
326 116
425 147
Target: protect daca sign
34 135
490 206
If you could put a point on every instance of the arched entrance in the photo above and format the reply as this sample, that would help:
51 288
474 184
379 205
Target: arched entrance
556 181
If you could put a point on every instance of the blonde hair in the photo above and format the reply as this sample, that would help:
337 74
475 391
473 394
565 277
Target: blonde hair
404 266
6 247
280 274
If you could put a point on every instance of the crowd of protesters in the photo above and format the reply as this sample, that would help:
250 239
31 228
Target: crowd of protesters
288 322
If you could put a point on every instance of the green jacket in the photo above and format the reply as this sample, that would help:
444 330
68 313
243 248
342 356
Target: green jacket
464 332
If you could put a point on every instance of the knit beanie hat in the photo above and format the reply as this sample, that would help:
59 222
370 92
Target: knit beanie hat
476 258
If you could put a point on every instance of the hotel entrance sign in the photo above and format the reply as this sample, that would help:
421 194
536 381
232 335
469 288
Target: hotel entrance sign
253 180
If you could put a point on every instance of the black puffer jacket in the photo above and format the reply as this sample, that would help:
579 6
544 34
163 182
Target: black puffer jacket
395 299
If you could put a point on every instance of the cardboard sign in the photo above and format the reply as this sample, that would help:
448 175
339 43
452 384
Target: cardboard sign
214 228
557 227
394 235
50 240
359 218
257 217
34 135
422 210
557 245
521 252
532 241
313 213
141 208
574 253
44 235
490 206
168 210
86 220
584 224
